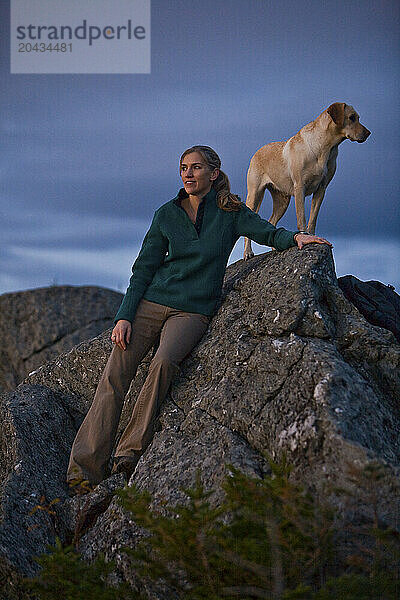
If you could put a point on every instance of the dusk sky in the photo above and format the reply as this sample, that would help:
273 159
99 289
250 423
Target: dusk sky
86 159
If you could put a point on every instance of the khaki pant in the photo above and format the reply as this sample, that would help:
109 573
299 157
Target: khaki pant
94 442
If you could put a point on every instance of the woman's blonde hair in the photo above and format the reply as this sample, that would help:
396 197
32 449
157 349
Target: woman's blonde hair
225 199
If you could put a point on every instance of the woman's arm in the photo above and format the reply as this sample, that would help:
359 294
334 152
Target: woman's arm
150 257
251 225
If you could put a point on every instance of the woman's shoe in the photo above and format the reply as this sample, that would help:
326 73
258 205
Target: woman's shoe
125 465
78 486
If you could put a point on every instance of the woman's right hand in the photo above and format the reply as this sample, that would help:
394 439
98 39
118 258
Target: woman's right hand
121 334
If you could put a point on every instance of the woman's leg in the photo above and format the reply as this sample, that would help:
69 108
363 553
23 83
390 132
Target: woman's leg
95 439
180 333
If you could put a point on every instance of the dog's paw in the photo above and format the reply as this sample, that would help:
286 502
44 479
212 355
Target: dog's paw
247 255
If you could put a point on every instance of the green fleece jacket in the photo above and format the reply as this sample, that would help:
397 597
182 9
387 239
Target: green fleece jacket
183 269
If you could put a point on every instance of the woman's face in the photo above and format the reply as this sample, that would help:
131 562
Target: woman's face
197 177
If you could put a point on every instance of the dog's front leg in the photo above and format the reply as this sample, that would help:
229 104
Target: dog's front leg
248 252
316 202
319 193
299 202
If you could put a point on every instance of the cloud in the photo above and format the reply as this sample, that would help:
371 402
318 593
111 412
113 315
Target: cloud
40 249
111 267
368 259
96 262
64 230
105 268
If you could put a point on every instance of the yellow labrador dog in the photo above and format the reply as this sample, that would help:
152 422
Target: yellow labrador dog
303 165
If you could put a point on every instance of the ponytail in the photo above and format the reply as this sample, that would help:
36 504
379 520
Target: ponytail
225 199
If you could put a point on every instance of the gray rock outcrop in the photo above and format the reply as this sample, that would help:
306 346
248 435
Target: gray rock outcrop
287 365
37 325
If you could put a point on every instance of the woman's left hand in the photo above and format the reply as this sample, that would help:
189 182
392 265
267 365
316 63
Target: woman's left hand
302 239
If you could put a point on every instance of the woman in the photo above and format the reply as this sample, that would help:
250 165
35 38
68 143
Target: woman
173 292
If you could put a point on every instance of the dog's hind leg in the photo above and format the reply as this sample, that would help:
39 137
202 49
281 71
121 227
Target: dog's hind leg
255 194
280 203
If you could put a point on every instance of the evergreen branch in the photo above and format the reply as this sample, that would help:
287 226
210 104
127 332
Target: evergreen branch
243 591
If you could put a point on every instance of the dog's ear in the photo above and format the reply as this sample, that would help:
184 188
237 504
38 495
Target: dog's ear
336 112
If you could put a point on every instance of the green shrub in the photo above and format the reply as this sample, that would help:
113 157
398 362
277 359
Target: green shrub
65 576
269 538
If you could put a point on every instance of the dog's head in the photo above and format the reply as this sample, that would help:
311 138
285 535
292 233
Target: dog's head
347 121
